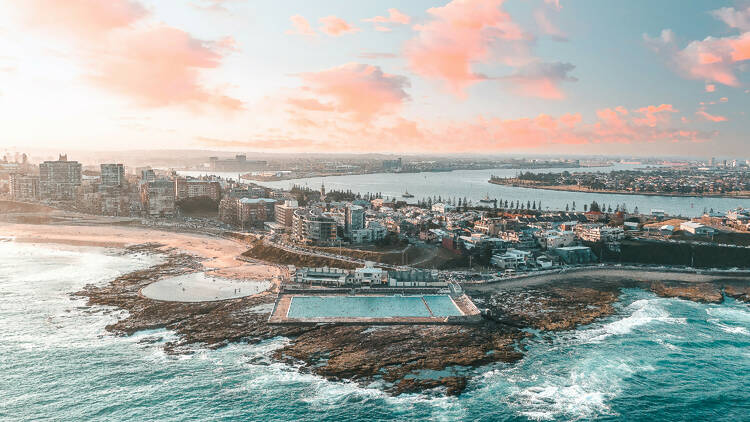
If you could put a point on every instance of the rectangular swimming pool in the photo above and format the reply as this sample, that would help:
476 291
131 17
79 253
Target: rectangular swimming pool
371 306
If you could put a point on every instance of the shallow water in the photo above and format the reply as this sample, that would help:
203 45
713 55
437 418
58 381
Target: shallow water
201 287
656 359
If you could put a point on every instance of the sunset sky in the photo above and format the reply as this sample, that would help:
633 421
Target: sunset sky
538 76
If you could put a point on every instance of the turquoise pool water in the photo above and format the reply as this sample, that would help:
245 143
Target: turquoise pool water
371 306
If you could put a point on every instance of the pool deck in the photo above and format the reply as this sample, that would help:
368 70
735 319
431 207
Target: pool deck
471 314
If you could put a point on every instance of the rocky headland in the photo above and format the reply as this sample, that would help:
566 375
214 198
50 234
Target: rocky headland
400 358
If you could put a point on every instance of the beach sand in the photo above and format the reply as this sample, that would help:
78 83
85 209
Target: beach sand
219 254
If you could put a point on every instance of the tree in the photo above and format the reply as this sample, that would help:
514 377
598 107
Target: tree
567 207
585 208
574 205
595 207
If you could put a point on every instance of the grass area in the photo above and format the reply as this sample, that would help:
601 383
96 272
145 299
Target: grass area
263 252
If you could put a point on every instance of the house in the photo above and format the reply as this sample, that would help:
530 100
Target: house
512 258
697 229
573 255
442 207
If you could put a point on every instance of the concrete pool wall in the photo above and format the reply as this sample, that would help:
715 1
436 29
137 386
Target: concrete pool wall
341 308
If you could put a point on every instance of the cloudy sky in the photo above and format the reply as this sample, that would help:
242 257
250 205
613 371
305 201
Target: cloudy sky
540 76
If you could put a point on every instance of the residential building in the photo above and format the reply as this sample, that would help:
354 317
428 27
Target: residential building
442 207
255 211
186 188
59 180
24 188
511 259
354 218
697 229
285 212
157 198
312 226
112 175
372 233
598 233
575 255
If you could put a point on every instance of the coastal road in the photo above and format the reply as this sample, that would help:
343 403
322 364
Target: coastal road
644 274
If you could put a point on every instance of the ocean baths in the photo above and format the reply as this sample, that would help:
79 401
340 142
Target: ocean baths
325 307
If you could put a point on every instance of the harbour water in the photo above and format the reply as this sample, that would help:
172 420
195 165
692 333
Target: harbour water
655 359
474 186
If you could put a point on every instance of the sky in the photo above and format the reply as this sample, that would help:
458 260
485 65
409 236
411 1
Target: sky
575 77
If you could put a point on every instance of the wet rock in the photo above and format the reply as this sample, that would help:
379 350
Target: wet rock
738 292
551 308
396 354
453 385
697 292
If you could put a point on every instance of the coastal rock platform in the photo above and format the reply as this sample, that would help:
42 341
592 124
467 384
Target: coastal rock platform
401 358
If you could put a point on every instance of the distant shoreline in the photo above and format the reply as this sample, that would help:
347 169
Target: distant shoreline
574 188
252 178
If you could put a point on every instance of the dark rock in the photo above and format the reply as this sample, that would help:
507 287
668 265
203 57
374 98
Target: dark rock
697 292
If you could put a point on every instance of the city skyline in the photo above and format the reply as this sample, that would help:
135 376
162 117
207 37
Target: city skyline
465 76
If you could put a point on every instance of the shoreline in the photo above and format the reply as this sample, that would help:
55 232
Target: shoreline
365 353
218 255
573 188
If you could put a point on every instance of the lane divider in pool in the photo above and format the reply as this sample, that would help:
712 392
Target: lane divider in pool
428 306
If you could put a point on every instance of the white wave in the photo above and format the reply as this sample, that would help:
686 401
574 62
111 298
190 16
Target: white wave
730 314
642 313
729 328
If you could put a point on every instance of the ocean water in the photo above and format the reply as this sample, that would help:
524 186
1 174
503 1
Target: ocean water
656 359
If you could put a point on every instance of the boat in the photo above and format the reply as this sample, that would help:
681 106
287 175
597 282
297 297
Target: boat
407 194
486 200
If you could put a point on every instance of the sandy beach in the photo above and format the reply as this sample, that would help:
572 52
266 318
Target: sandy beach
219 254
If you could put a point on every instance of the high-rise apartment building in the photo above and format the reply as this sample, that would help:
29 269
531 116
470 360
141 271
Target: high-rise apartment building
59 180
112 175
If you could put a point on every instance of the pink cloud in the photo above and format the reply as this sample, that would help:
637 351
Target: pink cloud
359 90
460 34
394 16
712 59
654 115
381 28
82 18
710 87
612 126
710 117
335 26
392 132
300 26
156 65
